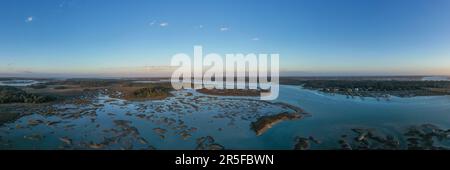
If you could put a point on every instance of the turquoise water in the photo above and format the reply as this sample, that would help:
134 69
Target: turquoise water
226 119
333 115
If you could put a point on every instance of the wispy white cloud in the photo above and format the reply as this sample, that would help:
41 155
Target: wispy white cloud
255 39
164 24
29 19
223 29
200 27
152 23
158 23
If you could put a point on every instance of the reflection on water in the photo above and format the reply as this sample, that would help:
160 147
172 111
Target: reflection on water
180 121
436 78
334 114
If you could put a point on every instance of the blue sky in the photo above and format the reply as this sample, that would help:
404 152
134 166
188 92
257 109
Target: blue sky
139 37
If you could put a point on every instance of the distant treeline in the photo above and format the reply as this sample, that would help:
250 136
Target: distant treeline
87 82
15 95
377 88
368 85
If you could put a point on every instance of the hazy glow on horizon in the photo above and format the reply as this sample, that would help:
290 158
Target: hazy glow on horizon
138 38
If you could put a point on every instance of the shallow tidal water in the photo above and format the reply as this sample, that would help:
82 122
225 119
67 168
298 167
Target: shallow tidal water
19 83
177 122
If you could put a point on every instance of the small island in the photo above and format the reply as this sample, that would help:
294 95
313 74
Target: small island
266 122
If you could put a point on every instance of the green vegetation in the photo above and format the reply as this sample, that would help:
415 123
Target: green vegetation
266 122
38 86
153 92
15 95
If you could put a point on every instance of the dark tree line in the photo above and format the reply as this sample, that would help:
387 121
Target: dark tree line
14 95
375 85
